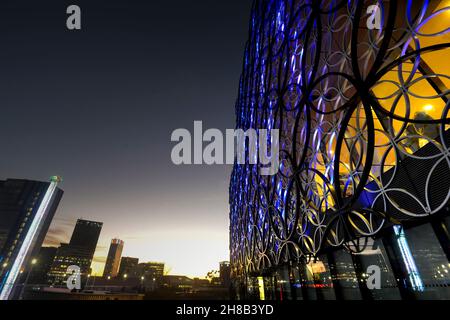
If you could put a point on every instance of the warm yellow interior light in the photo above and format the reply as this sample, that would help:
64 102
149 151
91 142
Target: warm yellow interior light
428 107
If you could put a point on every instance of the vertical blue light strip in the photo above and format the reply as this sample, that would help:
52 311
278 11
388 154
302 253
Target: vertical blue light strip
25 248
408 260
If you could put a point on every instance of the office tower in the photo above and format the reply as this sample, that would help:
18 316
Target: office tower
86 234
41 268
26 211
149 270
78 252
113 259
362 184
127 265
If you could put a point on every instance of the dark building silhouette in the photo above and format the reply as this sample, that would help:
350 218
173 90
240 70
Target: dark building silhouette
79 251
179 282
86 234
225 271
127 265
41 268
26 211
113 259
149 270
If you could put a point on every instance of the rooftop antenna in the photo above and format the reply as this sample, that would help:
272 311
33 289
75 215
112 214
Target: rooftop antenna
56 179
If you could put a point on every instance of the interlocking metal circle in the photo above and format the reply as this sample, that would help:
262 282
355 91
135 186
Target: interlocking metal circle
355 104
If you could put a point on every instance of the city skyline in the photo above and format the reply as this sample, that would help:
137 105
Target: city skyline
98 266
99 106
227 156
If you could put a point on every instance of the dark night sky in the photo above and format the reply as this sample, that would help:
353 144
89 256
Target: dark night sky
98 106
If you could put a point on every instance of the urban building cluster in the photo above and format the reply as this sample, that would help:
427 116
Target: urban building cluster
30 271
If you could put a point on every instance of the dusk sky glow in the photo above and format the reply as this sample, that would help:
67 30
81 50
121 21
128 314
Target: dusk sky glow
98 106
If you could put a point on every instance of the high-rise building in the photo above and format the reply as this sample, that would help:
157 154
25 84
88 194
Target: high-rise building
43 263
127 265
359 185
113 259
79 251
86 234
26 211
149 270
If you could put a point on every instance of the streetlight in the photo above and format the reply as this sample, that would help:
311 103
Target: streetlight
142 284
33 262
93 282
125 276
87 281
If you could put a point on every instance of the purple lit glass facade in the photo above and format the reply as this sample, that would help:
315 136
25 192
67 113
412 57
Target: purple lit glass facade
361 101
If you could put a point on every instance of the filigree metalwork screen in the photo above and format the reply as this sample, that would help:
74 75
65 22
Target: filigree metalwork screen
363 116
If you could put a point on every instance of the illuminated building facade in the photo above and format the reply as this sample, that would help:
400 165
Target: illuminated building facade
44 263
153 271
359 93
78 252
127 265
26 211
113 258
